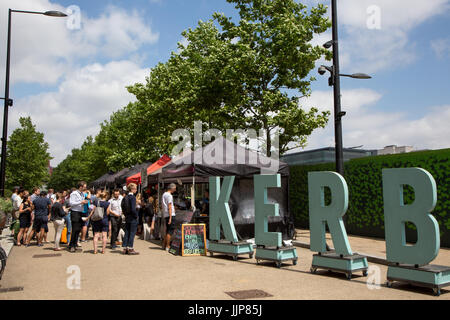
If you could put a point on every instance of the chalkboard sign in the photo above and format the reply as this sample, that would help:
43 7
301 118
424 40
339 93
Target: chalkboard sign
175 243
182 218
193 240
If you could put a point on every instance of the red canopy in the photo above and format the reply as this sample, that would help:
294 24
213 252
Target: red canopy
157 165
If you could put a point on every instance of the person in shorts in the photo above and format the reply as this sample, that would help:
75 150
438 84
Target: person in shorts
101 227
168 209
42 209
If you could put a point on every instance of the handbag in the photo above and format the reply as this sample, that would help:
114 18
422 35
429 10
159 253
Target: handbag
64 236
98 213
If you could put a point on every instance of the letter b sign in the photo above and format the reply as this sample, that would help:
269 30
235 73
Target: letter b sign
397 213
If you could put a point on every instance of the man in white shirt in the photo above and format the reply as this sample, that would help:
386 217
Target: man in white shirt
14 198
51 195
17 201
77 202
168 209
115 216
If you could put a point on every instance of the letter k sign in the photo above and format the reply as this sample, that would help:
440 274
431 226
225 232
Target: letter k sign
220 210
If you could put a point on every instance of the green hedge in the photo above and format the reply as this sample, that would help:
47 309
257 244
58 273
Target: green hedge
365 215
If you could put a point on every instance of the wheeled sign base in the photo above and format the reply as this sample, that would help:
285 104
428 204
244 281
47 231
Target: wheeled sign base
233 249
429 276
339 263
278 255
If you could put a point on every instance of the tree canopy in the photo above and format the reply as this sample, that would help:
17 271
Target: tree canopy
27 157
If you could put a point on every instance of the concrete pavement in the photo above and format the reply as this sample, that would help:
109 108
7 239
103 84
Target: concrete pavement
6 240
156 274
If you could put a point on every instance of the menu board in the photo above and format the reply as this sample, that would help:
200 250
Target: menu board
182 218
175 243
193 240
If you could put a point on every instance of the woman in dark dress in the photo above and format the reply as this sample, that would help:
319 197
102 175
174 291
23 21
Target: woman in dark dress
25 210
101 227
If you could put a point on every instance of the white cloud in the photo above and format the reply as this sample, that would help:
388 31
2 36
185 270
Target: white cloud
83 92
83 100
373 50
44 48
366 125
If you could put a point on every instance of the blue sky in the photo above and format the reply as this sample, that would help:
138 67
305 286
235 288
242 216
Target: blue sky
71 80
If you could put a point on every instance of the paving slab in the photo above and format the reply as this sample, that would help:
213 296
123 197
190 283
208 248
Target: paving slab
156 274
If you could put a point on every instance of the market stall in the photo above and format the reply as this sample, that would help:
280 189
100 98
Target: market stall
101 182
222 158
151 168
123 178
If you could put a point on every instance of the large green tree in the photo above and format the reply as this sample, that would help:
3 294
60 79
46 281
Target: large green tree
27 157
195 84
84 164
272 42
248 74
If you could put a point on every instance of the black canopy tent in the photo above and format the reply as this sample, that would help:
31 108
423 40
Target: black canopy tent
100 182
121 178
223 158
112 180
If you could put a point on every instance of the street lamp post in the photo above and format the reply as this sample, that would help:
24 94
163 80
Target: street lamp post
335 81
8 101
337 93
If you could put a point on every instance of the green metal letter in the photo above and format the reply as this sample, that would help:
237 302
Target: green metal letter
220 210
396 214
320 215
263 210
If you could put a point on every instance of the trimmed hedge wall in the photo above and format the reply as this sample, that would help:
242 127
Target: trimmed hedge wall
365 215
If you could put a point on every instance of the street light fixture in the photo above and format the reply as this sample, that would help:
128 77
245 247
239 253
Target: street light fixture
8 101
57 14
357 76
335 82
328 44
323 69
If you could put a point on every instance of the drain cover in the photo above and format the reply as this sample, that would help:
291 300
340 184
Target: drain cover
51 255
248 294
15 289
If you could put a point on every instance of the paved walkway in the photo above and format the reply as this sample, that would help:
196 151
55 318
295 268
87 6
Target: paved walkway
374 248
156 274
6 240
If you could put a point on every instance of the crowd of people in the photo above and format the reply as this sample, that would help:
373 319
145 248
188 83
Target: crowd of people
115 218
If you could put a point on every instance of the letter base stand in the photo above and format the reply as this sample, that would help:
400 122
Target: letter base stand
429 276
278 255
232 249
343 264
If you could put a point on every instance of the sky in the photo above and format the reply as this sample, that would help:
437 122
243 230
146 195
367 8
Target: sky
69 74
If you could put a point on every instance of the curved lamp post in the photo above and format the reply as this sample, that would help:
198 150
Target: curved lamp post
8 101
335 82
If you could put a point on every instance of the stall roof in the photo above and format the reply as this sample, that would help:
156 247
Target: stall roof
100 182
122 179
136 178
221 158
